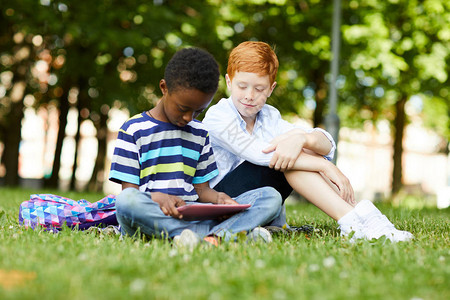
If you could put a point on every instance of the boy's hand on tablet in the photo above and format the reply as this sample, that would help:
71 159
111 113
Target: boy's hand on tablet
168 204
209 195
223 198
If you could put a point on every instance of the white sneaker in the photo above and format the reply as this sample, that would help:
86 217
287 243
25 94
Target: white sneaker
187 240
259 234
375 225
378 225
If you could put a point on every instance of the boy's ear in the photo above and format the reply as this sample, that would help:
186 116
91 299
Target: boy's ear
228 81
163 86
274 84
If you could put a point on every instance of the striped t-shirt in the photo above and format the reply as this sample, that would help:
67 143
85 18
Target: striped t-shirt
162 157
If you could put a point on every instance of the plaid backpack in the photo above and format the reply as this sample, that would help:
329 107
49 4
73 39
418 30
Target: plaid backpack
52 211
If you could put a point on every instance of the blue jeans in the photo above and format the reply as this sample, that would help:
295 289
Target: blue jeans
136 209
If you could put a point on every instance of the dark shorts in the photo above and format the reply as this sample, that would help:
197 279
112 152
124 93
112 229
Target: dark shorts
248 176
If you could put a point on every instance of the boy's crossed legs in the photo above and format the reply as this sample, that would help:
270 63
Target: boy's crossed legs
136 209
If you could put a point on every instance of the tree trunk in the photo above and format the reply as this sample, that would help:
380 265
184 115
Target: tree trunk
12 134
81 104
399 128
11 123
73 179
320 95
95 183
64 106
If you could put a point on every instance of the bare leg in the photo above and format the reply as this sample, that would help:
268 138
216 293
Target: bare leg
319 192
364 220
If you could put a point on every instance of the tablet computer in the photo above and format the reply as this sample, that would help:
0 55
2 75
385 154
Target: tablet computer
206 211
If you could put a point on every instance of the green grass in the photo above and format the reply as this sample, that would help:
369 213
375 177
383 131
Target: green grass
81 265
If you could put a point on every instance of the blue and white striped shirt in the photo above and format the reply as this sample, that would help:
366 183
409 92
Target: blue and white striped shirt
162 157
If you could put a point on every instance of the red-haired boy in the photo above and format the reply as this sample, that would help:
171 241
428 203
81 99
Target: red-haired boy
255 147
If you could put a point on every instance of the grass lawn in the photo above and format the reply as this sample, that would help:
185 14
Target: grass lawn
81 265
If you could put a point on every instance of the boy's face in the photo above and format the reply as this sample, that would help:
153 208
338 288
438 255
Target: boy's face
182 106
249 92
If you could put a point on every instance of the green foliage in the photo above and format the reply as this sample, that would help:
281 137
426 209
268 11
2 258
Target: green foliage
113 53
83 265
396 48
436 115
119 49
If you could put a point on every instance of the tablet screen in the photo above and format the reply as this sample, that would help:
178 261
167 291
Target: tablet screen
205 211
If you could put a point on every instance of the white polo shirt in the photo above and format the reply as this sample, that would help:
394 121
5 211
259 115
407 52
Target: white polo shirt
231 142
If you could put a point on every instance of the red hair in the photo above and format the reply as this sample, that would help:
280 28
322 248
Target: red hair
253 57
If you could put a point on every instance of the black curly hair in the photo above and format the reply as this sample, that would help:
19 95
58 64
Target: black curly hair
192 68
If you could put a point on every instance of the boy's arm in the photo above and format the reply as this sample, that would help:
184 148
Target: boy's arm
315 140
318 140
287 147
126 185
167 203
208 195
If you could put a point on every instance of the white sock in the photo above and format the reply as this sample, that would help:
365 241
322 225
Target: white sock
365 208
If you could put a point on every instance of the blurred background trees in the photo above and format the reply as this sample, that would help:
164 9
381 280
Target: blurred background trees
91 57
